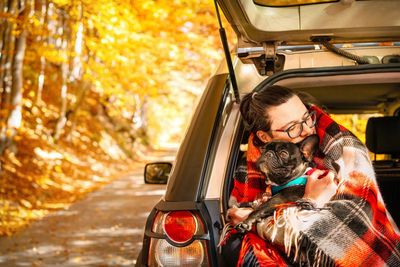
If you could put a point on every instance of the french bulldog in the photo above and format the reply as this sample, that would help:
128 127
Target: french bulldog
282 163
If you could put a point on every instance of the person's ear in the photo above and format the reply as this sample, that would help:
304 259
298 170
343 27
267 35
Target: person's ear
263 136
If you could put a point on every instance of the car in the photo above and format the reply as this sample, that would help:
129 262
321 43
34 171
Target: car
344 53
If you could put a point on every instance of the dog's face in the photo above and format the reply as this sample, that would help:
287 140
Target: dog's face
282 161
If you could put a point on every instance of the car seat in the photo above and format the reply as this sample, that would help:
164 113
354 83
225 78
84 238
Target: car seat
383 137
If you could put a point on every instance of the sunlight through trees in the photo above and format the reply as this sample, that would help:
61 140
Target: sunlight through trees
87 86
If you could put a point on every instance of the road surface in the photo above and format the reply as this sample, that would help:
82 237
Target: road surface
104 229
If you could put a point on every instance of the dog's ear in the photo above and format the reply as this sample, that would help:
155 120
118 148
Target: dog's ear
309 146
262 148
266 146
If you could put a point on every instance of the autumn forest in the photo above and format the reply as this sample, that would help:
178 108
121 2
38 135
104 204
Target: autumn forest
90 86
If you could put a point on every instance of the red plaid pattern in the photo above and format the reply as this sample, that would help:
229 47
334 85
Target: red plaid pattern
353 230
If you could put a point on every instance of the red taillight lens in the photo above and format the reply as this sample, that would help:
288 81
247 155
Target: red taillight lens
180 226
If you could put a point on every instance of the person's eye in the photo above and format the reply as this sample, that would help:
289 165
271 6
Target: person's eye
309 119
292 128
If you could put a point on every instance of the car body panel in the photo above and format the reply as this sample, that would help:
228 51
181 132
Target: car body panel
343 21
190 162
324 58
307 57
220 167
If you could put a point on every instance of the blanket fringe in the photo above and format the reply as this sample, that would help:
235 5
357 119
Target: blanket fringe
227 231
310 255
297 246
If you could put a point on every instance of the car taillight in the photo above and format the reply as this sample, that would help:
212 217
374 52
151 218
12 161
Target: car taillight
180 226
178 243
169 255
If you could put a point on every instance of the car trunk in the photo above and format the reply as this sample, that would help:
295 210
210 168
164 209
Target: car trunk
369 89
263 27
341 21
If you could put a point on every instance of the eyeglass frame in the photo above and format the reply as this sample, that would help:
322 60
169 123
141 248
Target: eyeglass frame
304 121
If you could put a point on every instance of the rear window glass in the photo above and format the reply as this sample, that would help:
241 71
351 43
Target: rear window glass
281 3
357 123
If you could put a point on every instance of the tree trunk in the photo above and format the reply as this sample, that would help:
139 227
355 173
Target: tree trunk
71 114
40 39
7 59
3 26
62 119
15 116
75 74
41 76
76 63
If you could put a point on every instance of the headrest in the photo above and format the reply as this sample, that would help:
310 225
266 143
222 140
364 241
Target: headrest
383 135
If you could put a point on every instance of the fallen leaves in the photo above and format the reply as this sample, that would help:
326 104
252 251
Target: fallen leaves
40 177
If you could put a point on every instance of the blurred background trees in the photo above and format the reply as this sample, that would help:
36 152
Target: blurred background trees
87 86
124 53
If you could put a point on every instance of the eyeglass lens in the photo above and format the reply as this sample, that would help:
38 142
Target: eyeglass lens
296 129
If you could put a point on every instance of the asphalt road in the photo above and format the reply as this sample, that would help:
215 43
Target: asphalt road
104 229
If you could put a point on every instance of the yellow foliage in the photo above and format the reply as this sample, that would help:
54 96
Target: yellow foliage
145 63
61 3
58 168
356 123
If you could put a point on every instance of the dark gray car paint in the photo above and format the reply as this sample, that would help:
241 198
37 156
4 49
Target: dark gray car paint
185 179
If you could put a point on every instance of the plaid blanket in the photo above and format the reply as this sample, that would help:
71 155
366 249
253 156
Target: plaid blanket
351 230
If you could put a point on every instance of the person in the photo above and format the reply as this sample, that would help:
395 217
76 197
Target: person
345 223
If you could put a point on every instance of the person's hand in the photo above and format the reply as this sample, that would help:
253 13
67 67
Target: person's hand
320 188
238 215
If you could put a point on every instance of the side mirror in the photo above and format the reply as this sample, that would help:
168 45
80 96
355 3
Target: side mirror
157 172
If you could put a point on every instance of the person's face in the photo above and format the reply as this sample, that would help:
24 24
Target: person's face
283 117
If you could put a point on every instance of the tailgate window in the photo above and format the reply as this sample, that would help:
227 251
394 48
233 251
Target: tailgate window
283 3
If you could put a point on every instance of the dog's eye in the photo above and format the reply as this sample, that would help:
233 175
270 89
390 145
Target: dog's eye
283 154
269 154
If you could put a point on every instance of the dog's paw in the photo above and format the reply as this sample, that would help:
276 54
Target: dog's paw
243 227
306 204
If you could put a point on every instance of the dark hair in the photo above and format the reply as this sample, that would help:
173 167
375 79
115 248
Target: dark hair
309 100
254 105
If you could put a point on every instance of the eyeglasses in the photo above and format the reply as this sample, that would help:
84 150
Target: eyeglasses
296 129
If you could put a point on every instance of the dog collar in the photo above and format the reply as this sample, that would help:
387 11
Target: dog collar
301 180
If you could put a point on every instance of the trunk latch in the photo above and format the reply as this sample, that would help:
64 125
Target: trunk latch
265 58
